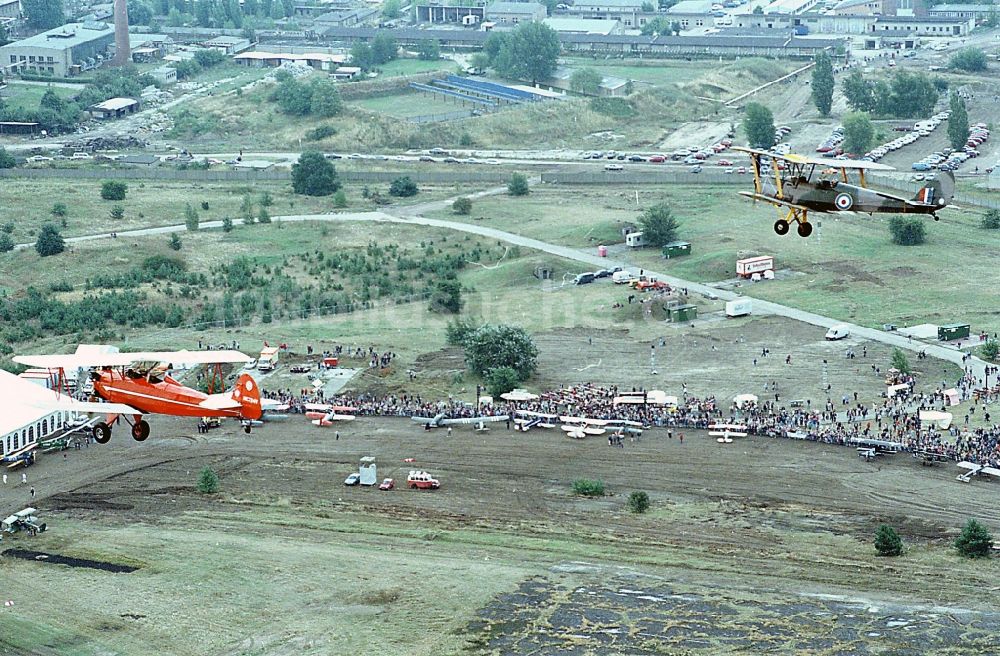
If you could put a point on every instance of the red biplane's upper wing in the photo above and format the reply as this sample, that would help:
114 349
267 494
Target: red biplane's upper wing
177 359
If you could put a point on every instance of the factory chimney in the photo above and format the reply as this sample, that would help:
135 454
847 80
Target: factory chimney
122 51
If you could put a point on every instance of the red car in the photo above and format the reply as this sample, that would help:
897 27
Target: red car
724 162
657 159
387 484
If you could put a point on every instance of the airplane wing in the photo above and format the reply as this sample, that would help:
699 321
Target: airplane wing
818 161
224 401
87 360
766 199
270 405
475 420
67 404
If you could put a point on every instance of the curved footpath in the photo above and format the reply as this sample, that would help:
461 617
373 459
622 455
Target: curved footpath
412 215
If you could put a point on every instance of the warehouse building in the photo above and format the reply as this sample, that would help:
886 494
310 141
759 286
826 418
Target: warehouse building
61 52
508 14
626 11
585 26
10 8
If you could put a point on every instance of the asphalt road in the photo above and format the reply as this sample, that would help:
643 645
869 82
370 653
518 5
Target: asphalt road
413 215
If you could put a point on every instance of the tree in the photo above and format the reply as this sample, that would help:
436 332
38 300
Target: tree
990 350
117 212
500 381
588 488
975 540
758 124
586 80
175 241
139 13
246 208
266 200
822 83
227 224
209 57
991 220
325 99
659 25
447 297
462 205
992 19
6 159
490 347
361 56
638 502
429 50
113 190
314 175
907 231
969 59
384 48
6 243
208 480
263 216
887 541
913 95
340 199
518 185
859 133
659 226
59 210
882 98
391 9
403 187
43 14
531 53
191 221
958 123
49 242
899 361
858 92
480 61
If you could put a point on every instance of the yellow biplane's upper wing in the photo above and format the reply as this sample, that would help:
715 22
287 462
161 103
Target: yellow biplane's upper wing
849 164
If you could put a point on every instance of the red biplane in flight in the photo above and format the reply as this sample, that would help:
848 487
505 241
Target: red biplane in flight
137 384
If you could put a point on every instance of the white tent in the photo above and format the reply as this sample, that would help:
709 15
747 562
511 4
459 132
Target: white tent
743 399
942 419
952 397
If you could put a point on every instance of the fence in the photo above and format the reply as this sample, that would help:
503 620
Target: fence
644 177
279 175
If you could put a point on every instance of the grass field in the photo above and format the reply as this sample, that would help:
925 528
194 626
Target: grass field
27 96
408 103
413 66
658 72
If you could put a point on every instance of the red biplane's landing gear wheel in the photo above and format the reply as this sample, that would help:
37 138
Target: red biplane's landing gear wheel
781 227
102 432
805 229
140 431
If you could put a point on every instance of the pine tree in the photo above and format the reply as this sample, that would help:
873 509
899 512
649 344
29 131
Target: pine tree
208 481
887 541
975 541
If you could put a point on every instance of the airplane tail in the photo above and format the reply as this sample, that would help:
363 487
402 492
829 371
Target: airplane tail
247 394
938 191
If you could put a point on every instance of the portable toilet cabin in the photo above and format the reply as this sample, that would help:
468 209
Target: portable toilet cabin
367 471
953 331
676 249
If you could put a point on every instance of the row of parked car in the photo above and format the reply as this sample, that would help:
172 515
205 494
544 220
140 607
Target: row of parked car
591 276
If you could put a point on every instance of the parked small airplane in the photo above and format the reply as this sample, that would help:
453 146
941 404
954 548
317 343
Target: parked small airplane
724 433
137 384
325 414
796 186
438 421
872 448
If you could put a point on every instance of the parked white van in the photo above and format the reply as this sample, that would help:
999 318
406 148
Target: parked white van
622 277
839 331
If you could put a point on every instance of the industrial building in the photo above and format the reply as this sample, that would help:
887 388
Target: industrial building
978 12
61 52
319 60
858 24
585 26
10 8
626 11
511 13
346 18
114 108
449 14
228 45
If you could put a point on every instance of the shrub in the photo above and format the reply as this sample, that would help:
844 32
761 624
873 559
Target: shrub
403 187
907 231
991 220
462 205
638 502
314 175
117 212
500 381
204 205
113 190
990 350
227 224
588 488
191 221
887 541
6 159
6 243
208 481
975 541
614 107
340 199
49 242
321 132
263 216
59 210
518 185
175 241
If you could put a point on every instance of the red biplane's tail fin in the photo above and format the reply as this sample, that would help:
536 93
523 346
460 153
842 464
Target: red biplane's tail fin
937 192
247 394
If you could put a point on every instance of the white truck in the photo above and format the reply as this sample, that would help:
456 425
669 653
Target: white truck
739 308
622 277
268 359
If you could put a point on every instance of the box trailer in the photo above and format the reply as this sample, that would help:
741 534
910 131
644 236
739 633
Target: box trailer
953 331
747 267
676 249
634 240
739 308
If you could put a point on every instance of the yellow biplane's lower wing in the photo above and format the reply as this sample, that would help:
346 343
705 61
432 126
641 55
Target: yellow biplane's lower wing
772 200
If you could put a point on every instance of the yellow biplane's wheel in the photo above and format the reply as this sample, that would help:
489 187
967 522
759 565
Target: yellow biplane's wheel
781 227
805 229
